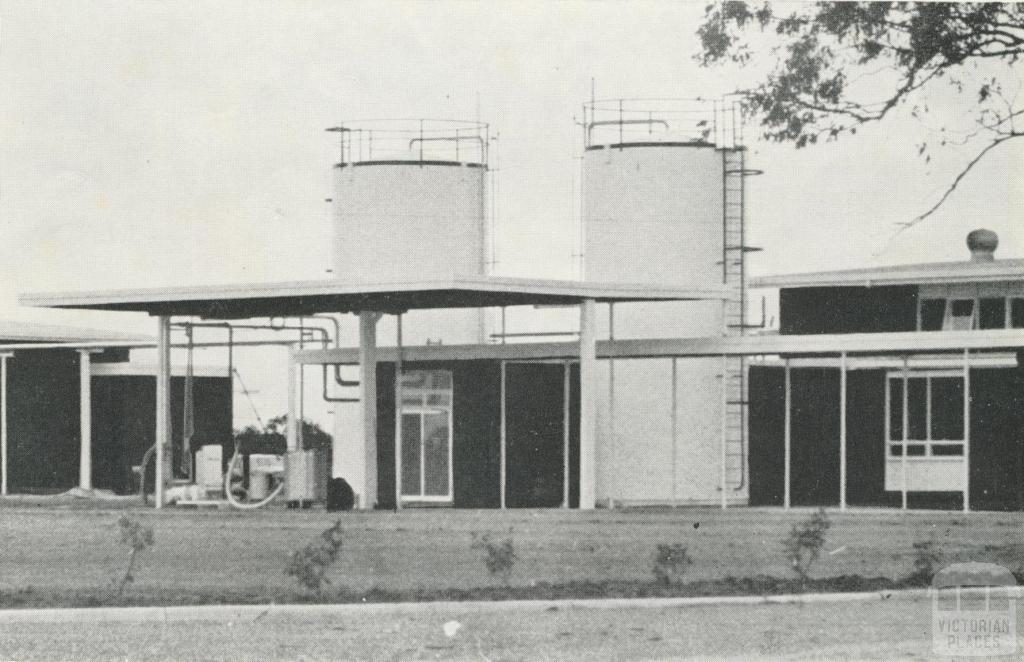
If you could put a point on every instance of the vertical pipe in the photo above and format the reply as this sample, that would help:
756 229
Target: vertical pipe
163 407
675 435
502 439
368 400
967 430
588 404
292 431
3 423
842 431
566 411
906 435
725 432
398 413
788 438
85 419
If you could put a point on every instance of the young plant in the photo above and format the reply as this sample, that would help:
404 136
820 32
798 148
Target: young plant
138 538
926 557
499 557
804 543
310 564
669 563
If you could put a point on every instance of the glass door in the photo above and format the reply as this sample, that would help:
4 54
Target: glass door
426 435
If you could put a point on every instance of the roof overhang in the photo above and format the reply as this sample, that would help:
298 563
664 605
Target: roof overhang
936 273
334 296
874 344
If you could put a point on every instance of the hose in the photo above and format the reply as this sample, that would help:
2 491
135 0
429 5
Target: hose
142 473
227 487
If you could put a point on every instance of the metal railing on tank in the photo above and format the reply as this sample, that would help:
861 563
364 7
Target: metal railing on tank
623 122
425 141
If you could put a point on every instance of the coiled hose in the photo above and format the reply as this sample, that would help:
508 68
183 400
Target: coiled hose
231 497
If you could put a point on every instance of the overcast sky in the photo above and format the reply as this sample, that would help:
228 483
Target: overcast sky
158 143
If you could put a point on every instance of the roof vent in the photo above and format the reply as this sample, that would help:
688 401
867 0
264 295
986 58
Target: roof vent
983 244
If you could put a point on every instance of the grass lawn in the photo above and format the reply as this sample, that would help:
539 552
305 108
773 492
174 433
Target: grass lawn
58 554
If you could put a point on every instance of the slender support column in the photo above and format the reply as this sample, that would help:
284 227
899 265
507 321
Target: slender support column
722 457
905 434
503 469
967 430
367 487
588 404
788 438
85 418
675 434
163 408
566 411
398 413
613 439
842 431
3 422
292 430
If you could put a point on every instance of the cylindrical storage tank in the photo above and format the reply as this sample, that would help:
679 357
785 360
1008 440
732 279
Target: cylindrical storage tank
654 177
409 201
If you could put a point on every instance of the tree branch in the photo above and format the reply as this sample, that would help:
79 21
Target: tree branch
956 182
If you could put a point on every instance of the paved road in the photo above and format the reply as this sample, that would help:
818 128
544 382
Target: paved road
897 628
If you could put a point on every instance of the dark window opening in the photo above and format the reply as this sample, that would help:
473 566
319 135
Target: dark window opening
1017 313
915 450
917 406
933 311
962 307
992 313
947 408
948 449
896 409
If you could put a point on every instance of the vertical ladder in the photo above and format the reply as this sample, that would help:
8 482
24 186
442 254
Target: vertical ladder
734 277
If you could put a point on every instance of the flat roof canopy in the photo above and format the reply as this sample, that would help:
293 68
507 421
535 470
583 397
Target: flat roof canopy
333 296
937 273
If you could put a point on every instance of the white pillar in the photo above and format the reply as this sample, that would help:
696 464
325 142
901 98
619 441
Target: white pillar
3 422
502 441
292 429
788 438
613 440
588 404
163 408
967 430
85 419
398 413
675 433
905 434
842 431
366 486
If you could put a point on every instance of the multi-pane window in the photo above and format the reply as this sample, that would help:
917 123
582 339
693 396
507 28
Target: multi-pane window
927 418
426 422
964 314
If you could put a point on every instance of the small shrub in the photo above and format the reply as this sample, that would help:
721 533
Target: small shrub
499 557
669 563
310 564
805 541
926 557
138 538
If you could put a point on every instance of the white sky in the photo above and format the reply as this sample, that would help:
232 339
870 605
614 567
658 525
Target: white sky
158 143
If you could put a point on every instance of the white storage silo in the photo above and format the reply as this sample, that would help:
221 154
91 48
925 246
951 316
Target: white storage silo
656 210
410 206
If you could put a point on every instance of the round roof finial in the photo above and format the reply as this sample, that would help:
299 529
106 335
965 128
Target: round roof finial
982 244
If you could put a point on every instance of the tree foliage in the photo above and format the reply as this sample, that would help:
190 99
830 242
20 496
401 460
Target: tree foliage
842 65
272 439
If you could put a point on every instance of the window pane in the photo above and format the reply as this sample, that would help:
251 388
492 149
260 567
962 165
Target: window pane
435 449
947 450
896 450
947 408
915 450
932 313
992 313
411 455
1017 313
962 307
895 409
917 390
